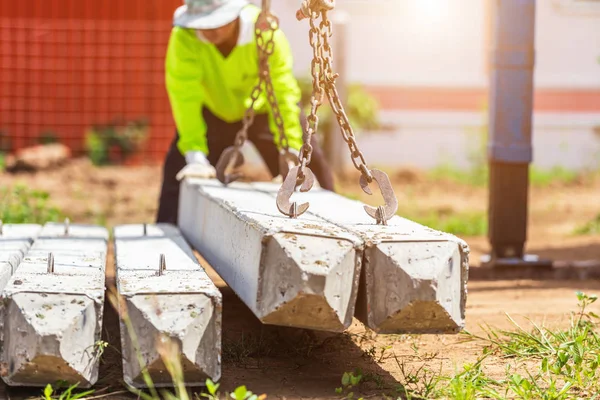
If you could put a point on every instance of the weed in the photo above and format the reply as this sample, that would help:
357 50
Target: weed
18 204
49 393
349 381
569 359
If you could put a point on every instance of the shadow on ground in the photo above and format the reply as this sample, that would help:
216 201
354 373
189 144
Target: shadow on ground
284 363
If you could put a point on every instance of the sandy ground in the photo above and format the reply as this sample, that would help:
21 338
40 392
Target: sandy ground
299 364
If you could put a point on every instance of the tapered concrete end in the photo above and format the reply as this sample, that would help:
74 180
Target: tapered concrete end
52 310
414 279
304 281
52 338
175 306
191 322
413 287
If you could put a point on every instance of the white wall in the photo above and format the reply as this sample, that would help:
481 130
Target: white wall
568 44
442 42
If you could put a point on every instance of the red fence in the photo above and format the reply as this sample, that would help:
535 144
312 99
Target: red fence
68 65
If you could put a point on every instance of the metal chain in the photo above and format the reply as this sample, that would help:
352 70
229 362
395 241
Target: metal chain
318 93
266 22
324 84
324 53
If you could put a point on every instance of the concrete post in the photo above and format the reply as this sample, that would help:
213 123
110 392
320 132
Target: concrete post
414 279
166 295
290 272
510 121
52 309
15 241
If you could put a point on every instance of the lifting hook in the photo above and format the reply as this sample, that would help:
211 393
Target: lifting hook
231 157
382 213
292 180
287 160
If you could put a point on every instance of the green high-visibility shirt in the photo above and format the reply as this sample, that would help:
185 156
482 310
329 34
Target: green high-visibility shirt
198 75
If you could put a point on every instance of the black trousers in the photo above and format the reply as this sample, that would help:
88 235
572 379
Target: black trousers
220 135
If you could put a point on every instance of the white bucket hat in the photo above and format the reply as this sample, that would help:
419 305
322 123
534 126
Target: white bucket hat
207 14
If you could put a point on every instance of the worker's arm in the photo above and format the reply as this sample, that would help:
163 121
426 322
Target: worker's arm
287 92
183 76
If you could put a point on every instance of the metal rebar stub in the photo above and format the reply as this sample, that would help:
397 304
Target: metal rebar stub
53 307
182 306
50 263
414 278
297 272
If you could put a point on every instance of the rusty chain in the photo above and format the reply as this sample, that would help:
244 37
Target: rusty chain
232 156
324 84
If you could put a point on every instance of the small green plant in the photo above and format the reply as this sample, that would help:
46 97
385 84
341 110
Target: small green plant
349 381
49 393
112 143
19 204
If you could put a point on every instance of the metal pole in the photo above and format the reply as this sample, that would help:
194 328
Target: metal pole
510 121
334 145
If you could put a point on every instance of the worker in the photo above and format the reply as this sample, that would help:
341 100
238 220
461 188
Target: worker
211 67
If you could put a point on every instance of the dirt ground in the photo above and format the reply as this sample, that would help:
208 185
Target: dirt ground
299 364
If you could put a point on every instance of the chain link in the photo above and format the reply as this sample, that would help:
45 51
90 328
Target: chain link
324 84
265 22
317 94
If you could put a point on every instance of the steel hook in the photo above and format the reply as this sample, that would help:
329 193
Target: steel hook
287 160
231 157
382 213
288 187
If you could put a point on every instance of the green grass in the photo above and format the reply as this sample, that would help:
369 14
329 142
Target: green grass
557 175
478 176
460 223
541 363
19 204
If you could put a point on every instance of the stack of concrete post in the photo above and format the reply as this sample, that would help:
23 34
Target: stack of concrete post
304 272
318 271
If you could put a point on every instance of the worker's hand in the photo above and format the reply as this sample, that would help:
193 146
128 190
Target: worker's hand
197 166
